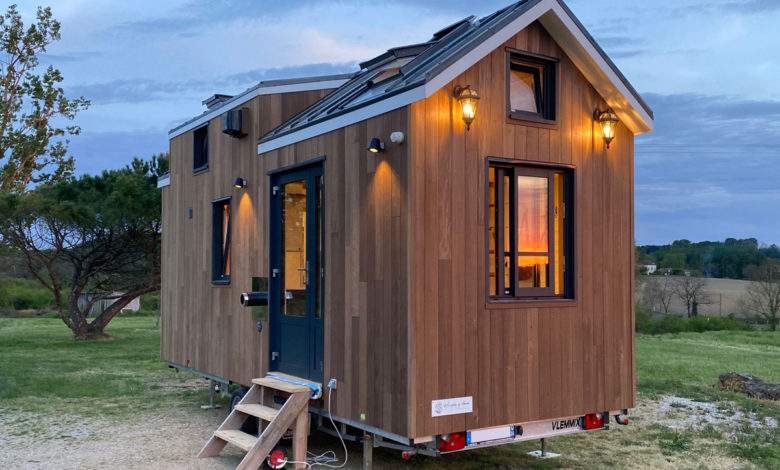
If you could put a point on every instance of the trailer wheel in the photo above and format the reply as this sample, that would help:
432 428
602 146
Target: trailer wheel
251 425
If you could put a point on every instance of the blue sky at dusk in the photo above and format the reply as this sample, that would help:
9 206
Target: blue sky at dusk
708 68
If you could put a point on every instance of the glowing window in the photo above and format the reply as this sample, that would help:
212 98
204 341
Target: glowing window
529 232
221 217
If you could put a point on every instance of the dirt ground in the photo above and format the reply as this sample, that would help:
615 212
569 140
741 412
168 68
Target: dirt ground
170 440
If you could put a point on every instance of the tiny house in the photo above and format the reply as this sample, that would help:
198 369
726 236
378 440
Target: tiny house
444 236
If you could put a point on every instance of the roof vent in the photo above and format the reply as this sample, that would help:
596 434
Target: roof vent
448 29
215 100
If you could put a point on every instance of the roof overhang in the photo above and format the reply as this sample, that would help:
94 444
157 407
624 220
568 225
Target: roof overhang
565 29
264 88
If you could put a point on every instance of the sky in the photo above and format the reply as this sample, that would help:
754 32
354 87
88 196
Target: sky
708 68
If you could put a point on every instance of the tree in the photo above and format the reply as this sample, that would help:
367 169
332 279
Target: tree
33 145
691 292
762 296
658 292
95 235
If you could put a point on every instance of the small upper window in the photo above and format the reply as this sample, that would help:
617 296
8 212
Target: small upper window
200 149
221 241
531 87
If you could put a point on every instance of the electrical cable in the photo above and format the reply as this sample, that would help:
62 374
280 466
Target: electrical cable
328 458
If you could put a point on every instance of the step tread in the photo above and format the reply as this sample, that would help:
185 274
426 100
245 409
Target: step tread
237 438
279 385
263 412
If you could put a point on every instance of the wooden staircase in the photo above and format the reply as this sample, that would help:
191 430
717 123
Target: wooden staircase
294 414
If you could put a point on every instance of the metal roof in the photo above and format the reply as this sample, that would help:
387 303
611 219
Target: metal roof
417 65
269 86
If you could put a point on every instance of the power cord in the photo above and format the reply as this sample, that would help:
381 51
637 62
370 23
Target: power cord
326 459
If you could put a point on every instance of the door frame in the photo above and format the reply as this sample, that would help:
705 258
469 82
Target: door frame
315 341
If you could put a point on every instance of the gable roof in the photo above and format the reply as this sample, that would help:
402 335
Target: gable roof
267 87
407 74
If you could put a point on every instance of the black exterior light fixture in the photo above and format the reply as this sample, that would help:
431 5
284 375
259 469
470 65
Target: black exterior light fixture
376 145
240 183
608 120
469 100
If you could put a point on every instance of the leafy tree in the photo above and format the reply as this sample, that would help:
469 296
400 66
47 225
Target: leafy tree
762 297
95 235
33 145
727 259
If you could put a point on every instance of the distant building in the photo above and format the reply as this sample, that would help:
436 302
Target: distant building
648 268
101 305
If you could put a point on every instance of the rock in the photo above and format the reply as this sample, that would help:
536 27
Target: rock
749 385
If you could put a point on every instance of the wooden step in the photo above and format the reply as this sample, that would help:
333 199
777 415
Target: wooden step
279 385
237 438
266 413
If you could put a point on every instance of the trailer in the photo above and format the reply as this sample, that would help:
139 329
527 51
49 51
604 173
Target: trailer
436 251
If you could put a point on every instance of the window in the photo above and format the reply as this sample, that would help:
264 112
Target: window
530 233
221 241
200 149
531 87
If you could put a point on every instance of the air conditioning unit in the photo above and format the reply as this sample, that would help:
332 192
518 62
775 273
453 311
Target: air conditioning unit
232 123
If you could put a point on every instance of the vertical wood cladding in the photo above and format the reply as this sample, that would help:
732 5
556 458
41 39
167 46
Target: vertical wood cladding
407 319
203 326
519 362
366 224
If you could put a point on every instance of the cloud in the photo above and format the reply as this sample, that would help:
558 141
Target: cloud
149 90
709 170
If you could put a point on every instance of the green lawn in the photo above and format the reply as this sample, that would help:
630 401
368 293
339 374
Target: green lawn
43 370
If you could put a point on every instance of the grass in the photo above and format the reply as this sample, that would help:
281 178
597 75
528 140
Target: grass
42 370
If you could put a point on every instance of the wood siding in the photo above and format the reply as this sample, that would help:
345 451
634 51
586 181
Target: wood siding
406 316
521 362
366 293
203 326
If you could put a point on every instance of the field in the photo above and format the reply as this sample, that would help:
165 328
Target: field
113 403
724 297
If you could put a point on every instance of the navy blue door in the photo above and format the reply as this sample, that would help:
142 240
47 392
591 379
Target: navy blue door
296 277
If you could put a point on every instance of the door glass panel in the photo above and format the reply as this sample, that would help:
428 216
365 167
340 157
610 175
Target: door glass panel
294 275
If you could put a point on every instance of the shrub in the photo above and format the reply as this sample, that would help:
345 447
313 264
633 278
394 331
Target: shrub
677 324
150 301
701 324
643 320
23 294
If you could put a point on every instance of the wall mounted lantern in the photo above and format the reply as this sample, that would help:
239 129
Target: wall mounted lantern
240 183
376 145
608 120
469 100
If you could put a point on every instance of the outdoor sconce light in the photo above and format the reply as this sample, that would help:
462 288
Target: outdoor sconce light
468 99
608 120
376 145
240 183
